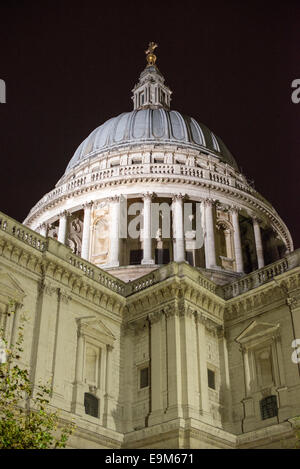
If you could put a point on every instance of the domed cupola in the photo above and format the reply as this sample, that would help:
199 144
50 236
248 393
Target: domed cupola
151 186
151 122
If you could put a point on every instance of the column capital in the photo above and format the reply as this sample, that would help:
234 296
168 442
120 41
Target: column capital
43 228
155 317
235 209
148 195
177 197
222 206
63 214
88 204
257 220
209 202
113 199
293 302
168 311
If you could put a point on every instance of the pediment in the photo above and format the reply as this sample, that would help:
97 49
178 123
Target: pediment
257 330
95 328
10 288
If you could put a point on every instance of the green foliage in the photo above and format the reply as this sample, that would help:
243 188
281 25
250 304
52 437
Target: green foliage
297 433
26 420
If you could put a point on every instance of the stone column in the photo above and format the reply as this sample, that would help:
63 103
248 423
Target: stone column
78 389
16 319
174 409
202 366
58 368
43 229
156 369
108 420
188 342
63 225
147 240
237 240
85 248
114 231
79 358
178 228
210 248
258 243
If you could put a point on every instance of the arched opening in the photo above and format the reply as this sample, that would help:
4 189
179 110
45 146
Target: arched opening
224 245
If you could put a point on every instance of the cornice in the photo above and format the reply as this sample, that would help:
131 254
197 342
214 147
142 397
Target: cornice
278 291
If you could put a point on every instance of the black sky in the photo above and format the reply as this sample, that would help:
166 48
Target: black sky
69 66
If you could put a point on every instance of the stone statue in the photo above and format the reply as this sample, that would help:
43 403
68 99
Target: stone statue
151 57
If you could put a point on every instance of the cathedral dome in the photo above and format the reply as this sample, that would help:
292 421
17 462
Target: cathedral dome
151 126
103 207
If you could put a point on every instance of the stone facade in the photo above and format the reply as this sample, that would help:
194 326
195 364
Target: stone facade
93 333
164 339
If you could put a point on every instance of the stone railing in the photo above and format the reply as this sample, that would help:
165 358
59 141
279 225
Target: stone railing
261 276
26 235
42 244
168 271
145 170
98 275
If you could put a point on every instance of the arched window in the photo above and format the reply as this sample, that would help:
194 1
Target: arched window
268 407
91 405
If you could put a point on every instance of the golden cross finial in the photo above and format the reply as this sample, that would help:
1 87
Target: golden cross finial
150 56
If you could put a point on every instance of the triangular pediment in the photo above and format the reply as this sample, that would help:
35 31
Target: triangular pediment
95 328
10 288
257 330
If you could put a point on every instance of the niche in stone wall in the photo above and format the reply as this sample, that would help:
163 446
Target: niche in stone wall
264 367
92 364
100 235
248 244
133 252
261 347
274 247
75 227
224 241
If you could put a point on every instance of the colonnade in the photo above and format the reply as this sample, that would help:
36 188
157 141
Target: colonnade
179 246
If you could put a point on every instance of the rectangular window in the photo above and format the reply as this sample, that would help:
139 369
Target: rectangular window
211 379
136 256
268 407
162 256
144 378
142 98
91 405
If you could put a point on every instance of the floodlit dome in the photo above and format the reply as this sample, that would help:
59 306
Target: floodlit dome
159 126
157 155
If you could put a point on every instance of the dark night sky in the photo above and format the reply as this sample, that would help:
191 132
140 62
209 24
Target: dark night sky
69 66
